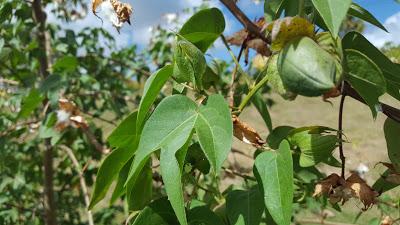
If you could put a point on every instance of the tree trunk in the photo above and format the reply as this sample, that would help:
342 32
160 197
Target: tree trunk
45 63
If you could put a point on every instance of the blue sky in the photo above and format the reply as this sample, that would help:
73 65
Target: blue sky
149 13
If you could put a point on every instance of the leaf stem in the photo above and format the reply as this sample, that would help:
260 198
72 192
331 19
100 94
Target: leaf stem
252 92
340 132
301 8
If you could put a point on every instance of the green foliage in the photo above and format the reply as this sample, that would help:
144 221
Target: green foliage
245 207
358 11
177 120
332 13
203 28
366 77
392 129
274 171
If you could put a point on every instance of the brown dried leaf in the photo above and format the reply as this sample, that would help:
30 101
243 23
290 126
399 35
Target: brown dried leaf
394 176
257 44
245 133
365 193
95 4
325 186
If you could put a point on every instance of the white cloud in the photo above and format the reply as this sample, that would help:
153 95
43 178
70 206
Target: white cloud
379 37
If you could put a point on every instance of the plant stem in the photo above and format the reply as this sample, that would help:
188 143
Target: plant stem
340 132
252 92
84 188
301 8
246 22
45 63
244 176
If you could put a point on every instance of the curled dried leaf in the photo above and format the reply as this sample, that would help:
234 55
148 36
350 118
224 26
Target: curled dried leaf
243 37
339 190
95 4
325 186
287 29
245 133
362 190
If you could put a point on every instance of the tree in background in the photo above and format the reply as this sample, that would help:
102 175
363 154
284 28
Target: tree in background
174 115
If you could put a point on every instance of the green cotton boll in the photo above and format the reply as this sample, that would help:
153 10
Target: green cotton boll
275 80
307 69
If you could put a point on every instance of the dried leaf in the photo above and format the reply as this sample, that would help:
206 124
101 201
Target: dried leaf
365 193
325 186
245 133
257 44
95 4
339 190
284 30
393 176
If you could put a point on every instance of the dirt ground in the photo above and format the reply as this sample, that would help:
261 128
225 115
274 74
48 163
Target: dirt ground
365 135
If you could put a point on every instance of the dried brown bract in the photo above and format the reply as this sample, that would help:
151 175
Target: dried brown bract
242 37
123 10
245 133
339 190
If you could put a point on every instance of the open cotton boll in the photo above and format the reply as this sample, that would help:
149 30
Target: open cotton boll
110 14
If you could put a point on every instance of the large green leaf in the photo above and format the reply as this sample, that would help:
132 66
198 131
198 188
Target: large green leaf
190 63
392 135
358 11
366 77
159 212
107 173
30 103
214 129
262 108
171 171
124 134
140 192
203 28
168 129
390 70
245 207
274 172
151 89
333 13
273 9
115 161
306 69
315 147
